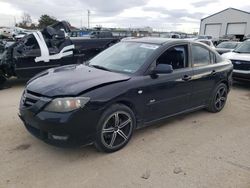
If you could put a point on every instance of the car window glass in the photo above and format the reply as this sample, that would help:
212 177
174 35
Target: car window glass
102 34
175 56
31 43
200 56
243 48
125 57
227 45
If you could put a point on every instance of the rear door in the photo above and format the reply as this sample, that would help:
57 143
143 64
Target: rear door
206 74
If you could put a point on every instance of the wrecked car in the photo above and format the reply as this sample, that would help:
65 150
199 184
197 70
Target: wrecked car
48 48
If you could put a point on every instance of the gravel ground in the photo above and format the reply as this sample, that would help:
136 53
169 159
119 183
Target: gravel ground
200 149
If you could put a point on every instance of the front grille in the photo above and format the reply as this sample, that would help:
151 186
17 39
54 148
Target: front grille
241 65
30 98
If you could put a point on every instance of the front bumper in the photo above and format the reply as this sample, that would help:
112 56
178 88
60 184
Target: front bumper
243 75
62 129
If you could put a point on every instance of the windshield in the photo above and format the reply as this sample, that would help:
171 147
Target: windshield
125 57
227 45
243 48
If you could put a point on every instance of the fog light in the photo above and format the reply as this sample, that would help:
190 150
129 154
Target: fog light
56 137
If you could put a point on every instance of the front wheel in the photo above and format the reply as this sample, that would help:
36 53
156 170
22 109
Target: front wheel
115 128
218 98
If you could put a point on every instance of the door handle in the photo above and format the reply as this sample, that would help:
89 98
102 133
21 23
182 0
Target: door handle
213 72
186 77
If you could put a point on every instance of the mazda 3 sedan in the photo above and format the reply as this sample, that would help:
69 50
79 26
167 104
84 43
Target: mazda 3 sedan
130 85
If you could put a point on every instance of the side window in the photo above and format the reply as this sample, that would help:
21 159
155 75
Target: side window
101 35
176 56
200 56
31 43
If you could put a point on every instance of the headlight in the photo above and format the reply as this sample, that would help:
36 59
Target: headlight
66 104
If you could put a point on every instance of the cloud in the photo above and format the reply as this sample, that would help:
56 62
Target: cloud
175 13
172 15
59 8
113 7
203 3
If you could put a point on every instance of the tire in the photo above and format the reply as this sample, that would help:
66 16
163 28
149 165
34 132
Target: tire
115 128
218 98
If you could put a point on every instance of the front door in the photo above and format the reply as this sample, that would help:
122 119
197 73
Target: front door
168 94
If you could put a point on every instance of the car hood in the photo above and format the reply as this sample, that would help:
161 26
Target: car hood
72 80
223 49
237 56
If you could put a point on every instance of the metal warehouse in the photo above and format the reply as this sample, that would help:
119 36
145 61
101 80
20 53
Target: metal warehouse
230 21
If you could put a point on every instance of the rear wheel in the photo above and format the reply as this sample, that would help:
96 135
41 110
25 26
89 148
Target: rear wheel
218 98
115 128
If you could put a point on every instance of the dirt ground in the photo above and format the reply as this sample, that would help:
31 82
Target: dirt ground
194 150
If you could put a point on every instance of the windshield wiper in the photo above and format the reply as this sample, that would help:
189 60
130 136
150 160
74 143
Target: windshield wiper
241 52
100 67
236 51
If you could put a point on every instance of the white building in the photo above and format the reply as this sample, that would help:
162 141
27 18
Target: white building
230 21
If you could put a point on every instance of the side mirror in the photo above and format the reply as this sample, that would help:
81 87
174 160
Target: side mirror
162 69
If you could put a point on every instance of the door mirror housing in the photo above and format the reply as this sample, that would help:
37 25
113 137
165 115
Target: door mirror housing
162 69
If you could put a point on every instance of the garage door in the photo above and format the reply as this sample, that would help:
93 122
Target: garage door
236 28
213 30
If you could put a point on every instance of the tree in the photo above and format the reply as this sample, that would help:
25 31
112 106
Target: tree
26 21
46 20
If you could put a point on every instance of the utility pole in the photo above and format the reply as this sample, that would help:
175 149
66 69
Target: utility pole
88 17
81 21
14 21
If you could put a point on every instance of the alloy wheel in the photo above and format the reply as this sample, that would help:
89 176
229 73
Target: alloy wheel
117 129
221 97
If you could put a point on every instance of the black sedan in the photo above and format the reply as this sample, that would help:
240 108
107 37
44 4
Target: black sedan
130 85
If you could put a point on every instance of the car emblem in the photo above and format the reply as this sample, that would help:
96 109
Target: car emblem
237 62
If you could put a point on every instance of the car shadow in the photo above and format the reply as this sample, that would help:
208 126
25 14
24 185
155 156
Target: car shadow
241 85
171 121
13 82
90 152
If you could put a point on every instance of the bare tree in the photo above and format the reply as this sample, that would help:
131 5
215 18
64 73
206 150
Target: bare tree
26 19
26 22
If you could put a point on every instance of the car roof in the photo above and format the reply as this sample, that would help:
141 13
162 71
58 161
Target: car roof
230 41
209 40
155 40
